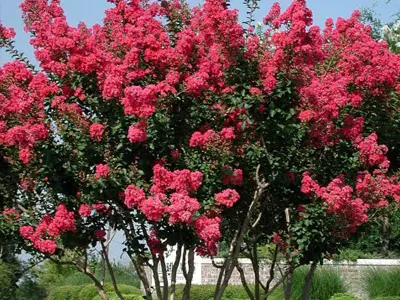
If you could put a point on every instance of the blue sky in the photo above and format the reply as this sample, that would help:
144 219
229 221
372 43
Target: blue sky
91 12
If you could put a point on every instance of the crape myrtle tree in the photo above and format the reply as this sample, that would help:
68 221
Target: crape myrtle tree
180 126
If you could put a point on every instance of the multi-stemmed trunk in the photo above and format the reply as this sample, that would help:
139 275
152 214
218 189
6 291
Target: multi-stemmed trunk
231 261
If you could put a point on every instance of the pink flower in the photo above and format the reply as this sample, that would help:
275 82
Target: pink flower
208 229
45 246
96 131
153 207
196 140
11 214
99 234
162 179
228 133
227 197
26 232
235 178
85 210
6 33
63 221
175 154
102 170
25 155
182 208
201 140
185 181
100 208
154 242
134 196
255 91
137 133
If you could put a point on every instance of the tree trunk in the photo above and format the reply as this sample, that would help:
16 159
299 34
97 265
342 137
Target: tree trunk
165 289
289 283
111 271
234 250
156 278
256 269
188 273
138 265
307 281
276 285
244 282
137 260
385 233
97 283
82 267
174 271
272 270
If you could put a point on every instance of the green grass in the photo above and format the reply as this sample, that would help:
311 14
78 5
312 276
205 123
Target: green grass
325 284
89 292
383 283
342 296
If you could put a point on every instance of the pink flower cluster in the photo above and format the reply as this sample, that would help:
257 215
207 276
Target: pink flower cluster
208 230
181 181
99 234
6 33
335 69
233 177
154 243
227 197
44 236
85 210
102 171
372 154
11 214
180 206
340 200
203 140
137 133
22 121
377 189
96 131
134 196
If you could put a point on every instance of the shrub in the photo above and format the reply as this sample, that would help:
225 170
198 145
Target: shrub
130 292
89 292
207 291
383 283
125 289
236 292
54 275
387 298
326 283
348 254
67 292
113 296
342 296
6 278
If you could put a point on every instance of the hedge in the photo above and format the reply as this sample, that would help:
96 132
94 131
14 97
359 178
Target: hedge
89 292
